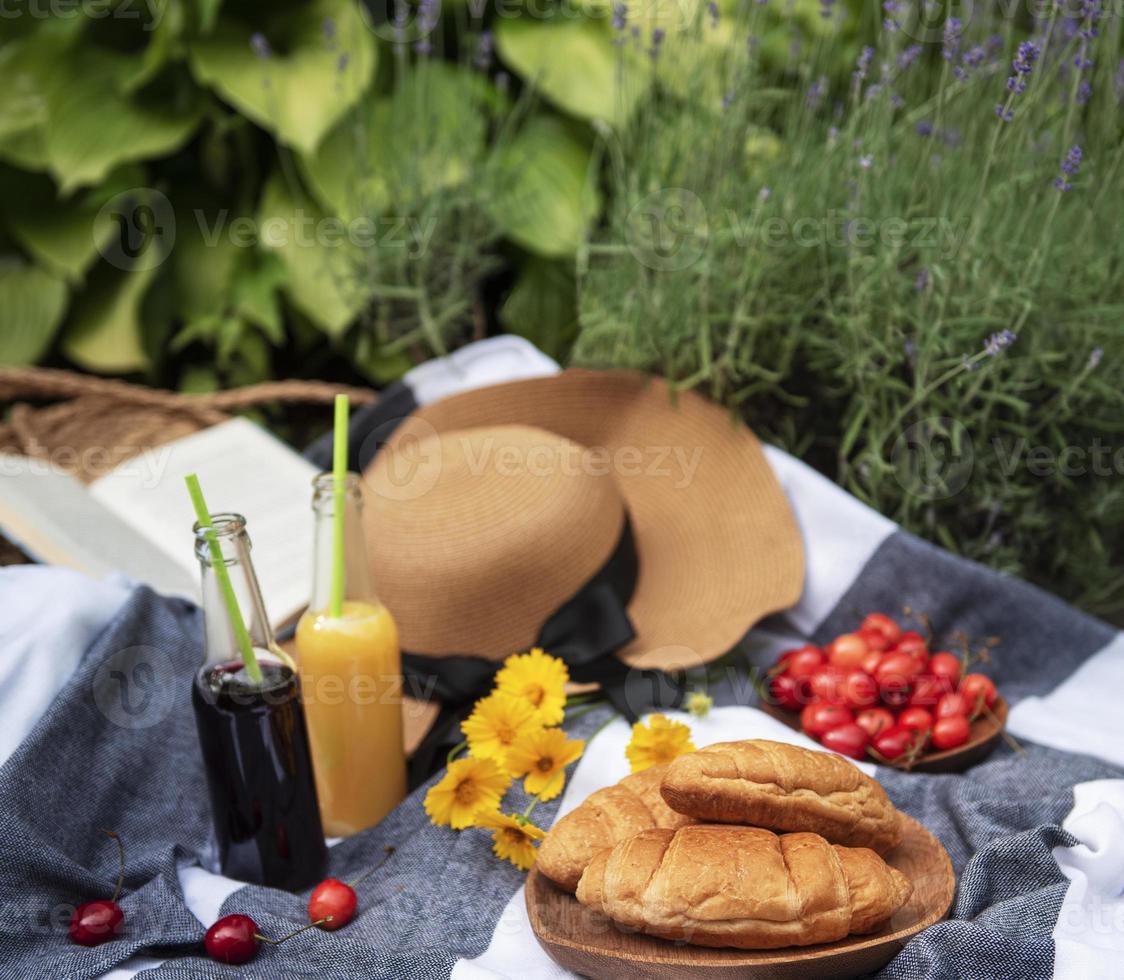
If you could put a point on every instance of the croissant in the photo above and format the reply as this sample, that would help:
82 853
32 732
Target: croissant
609 815
783 787
743 887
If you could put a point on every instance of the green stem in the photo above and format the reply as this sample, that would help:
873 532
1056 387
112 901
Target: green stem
454 752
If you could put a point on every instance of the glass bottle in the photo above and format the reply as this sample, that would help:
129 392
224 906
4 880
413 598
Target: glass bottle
351 677
252 733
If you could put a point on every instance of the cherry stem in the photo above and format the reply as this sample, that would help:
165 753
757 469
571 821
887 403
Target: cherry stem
120 863
295 932
388 851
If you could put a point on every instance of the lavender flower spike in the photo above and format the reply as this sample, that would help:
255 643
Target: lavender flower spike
999 342
1071 165
259 44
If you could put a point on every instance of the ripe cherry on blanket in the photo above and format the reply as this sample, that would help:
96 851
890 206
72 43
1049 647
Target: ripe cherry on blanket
95 922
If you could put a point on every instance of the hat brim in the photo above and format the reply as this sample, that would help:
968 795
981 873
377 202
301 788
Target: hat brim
718 544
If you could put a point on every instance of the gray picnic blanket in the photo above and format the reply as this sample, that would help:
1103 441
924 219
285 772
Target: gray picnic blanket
117 748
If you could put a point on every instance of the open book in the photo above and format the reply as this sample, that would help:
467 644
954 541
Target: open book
137 519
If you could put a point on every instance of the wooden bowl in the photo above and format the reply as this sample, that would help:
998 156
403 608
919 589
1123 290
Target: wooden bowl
985 733
589 944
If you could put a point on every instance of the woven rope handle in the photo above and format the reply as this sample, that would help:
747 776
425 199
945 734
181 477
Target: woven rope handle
49 383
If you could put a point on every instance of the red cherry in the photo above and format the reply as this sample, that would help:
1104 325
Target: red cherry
874 721
817 718
233 939
951 705
900 665
871 661
860 690
950 732
847 651
894 742
975 687
804 661
875 640
827 683
332 903
884 625
918 719
789 692
912 643
849 740
94 922
944 664
928 690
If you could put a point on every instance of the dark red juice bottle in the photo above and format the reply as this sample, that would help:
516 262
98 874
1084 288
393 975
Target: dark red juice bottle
252 734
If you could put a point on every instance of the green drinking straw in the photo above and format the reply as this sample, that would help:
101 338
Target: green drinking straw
225 586
339 481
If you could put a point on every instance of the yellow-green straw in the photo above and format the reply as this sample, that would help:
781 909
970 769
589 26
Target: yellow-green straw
339 482
203 516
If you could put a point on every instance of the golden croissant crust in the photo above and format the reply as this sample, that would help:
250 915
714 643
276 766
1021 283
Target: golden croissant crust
744 887
783 787
609 815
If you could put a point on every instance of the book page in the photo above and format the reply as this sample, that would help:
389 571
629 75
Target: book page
53 517
241 468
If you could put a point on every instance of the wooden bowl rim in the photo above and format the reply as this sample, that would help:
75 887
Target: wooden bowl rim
985 730
746 957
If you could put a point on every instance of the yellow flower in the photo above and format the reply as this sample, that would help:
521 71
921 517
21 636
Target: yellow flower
496 723
699 704
660 741
469 787
540 680
543 756
513 838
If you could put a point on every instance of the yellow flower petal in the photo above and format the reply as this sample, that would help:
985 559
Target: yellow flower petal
657 742
540 680
543 756
513 838
496 723
470 786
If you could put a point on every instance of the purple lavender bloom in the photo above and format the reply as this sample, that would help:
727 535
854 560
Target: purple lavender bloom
712 10
1022 66
259 44
924 128
1071 166
863 64
1084 93
921 283
1095 356
827 9
329 29
953 28
429 13
620 16
484 48
658 35
866 161
816 92
999 342
909 56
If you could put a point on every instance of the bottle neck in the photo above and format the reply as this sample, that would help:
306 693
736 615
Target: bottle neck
220 643
356 568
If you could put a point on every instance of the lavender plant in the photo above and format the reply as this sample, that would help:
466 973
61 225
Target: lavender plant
908 274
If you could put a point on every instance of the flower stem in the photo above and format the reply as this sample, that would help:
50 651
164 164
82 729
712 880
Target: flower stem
454 752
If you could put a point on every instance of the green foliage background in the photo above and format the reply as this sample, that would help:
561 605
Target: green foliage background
623 184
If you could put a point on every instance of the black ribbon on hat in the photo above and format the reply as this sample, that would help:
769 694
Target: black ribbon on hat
584 632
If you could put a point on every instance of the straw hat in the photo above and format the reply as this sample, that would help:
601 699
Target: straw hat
487 510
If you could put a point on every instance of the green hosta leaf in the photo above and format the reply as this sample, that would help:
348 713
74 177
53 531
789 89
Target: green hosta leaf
105 329
321 266
543 306
575 64
255 293
546 195
165 31
307 82
32 303
65 235
205 256
207 12
437 118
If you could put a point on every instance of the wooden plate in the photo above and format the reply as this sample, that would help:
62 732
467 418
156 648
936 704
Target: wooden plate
985 733
589 944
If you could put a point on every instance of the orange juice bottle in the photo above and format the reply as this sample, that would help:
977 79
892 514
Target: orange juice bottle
351 678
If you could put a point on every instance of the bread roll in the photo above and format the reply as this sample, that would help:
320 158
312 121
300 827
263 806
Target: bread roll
783 787
609 815
742 887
